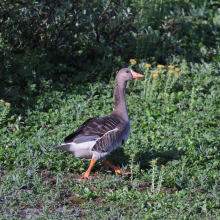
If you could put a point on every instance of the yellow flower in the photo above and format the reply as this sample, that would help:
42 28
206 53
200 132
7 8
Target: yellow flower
167 95
170 71
7 103
193 177
0 19
177 69
137 166
184 73
184 60
11 6
8 47
162 74
155 75
184 163
1 100
132 61
17 4
176 75
132 155
171 67
199 86
163 166
153 161
154 71
160 66
148 65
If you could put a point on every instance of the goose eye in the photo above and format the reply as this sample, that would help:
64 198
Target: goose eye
127 71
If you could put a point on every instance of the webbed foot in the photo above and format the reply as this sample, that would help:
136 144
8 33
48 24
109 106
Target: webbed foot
127 171
116 169
85 176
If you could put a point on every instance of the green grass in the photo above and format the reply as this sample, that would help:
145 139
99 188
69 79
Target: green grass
174 120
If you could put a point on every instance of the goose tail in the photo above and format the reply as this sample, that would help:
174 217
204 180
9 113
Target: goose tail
64 146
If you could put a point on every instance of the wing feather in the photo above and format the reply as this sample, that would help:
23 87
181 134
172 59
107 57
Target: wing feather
106 142
98 127
79 130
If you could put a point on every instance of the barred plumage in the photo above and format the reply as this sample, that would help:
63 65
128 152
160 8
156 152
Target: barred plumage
111 138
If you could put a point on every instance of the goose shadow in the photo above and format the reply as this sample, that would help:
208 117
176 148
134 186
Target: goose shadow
119 157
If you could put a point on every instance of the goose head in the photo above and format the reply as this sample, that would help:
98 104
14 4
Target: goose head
127 74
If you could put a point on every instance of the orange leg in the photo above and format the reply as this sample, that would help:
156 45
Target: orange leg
116 169
86 174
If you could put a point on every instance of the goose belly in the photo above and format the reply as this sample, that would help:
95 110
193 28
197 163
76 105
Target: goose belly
79 150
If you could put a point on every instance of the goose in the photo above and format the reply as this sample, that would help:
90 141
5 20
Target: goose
99 136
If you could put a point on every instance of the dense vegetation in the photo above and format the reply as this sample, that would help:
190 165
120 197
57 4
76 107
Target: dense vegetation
58 64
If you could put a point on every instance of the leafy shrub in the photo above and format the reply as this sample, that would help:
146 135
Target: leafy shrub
178 28
45 44
4 109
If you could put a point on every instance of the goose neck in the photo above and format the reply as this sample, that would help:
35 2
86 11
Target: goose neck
120 100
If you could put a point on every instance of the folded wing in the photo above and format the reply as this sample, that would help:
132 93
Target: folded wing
104 130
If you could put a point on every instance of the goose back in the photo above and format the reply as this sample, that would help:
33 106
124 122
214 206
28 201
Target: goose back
108 133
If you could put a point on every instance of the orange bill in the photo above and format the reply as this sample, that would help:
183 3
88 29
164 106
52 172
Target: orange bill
137 75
